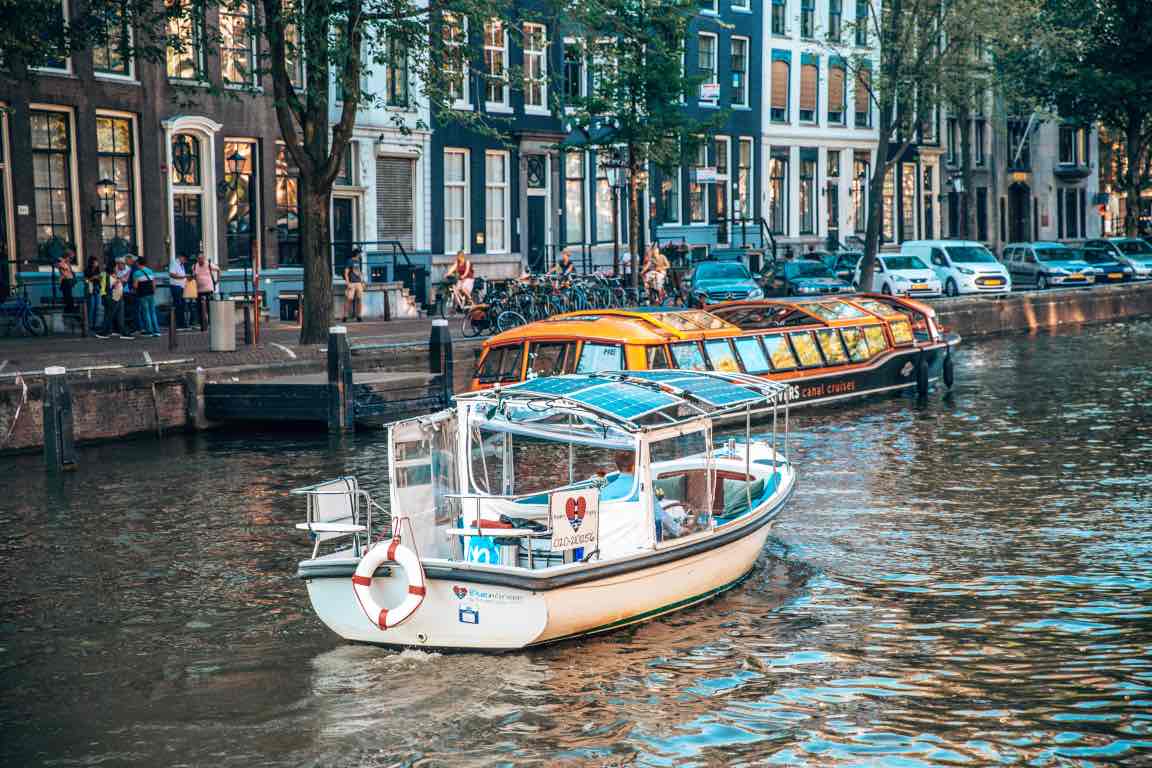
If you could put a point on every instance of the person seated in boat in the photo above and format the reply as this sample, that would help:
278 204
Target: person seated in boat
620 487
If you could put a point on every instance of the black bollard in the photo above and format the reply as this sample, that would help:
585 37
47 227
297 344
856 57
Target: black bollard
84 318
171 326
59 442
341 413
440 358
247 324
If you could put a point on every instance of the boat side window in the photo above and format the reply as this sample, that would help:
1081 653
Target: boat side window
877 341
549 358
658 357
595 358
501 364
901 331
721 356
688 356
856 343
831 346
779 352
806 350
752 354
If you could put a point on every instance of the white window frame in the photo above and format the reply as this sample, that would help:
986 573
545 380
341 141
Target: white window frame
715 74
751 144
503 104
463 187
715 9
130 77
583 218
542 79
679 198
701 161
505 223
745 103
465 100
577 42
137 208
744 6
77 226
66 18
250 20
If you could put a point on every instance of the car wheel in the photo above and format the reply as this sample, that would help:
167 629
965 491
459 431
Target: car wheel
1042 283
950 288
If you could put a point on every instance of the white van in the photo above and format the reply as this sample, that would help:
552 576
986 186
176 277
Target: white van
963 266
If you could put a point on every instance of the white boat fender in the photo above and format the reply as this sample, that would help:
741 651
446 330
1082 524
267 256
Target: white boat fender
386 618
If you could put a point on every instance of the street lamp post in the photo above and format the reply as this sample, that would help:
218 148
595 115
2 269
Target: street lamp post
617 171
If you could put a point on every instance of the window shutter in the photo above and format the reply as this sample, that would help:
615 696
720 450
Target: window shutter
808 77
780 84
863 98
395 195
836 89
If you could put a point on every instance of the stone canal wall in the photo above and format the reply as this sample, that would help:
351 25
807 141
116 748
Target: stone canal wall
1036 310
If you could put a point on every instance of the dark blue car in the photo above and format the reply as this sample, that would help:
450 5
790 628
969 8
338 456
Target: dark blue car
809 278
711 282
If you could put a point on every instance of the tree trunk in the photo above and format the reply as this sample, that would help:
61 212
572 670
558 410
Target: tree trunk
634 214
876 201
968 203
315 243
1133 152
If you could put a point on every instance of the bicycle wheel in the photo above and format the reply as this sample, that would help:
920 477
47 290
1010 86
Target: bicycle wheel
509 318
474 322
32 324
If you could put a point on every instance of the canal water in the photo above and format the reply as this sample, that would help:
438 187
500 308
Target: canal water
964 583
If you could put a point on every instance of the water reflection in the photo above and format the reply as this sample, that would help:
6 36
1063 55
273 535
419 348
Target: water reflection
964 583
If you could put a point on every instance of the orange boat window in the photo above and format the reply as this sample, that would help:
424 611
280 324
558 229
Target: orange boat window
779 353
721 355
752 354
501 364
550 358
902 331
806 350
877 341
857 345
688 356
831 346
658 358
595 358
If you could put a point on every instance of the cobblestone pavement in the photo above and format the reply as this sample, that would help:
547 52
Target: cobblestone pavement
279 343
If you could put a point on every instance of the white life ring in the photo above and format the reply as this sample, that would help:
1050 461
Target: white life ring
386 618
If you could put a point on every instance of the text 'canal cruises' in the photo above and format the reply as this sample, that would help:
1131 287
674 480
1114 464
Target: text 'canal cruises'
637 512
829 349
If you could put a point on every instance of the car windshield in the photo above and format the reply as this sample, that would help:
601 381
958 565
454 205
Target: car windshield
904 262
807 269
728 271
971 254
1135 247
1056 254
1093 256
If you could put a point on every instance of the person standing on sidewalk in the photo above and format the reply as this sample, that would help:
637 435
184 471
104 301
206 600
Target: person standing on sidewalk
67 280
93 295
131 306
114 303
144 285
206 275
177 277
353 287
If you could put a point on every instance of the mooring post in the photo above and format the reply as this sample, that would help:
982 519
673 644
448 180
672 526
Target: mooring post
84 320
59 445
440 357
171 326
341 414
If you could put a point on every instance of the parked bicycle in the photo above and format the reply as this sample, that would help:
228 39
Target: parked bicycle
19 310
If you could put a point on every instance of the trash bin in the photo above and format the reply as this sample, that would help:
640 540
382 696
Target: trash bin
222 326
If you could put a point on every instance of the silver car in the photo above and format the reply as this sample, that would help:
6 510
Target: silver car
1043 265
1129 251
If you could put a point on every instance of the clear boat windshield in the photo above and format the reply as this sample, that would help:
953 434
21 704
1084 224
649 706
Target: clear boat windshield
971 254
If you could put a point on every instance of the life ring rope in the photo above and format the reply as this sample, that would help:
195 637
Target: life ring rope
387 618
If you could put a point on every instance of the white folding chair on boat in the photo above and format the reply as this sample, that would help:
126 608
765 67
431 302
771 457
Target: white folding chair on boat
334 512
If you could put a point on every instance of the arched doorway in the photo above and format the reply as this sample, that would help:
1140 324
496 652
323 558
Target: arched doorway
1019 213
191 152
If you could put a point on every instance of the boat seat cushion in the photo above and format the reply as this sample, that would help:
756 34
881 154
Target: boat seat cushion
736 493
673 486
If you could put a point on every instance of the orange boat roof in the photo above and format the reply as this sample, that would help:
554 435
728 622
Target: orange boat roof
636 326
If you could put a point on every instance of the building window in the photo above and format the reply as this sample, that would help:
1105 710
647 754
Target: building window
741 5
781 72
1069 212
1073 145
237 55
697 199
779 17
496 202
456 58
979 131
744 179
739 71
52 174
495 63
59 63
706 60
293 48
835 20
708 6
907 202
952 158
346 176
863 98
185 40
807 19
888 223
837 95
861 177
116 162
535 67
832 191
575 84
778 192
396 73
574 197
241 222
111 54
188 200
721 188
809 80
603 200
1019 147
862 22
287 207
928 127
185 160
670 196
807 191
455 200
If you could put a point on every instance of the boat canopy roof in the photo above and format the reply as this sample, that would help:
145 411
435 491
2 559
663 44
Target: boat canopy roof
655 325
772 313
630 400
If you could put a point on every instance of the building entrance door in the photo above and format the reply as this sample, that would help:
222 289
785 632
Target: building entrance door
343 231
187 225
1019 196
537 223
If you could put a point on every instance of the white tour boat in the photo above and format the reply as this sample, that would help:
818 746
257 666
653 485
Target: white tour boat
550 509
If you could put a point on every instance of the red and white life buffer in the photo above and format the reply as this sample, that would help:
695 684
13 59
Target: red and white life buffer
386 618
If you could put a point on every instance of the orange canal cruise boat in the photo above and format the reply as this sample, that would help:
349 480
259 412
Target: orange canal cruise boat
829 349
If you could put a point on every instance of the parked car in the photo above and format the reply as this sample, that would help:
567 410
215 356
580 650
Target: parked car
1043 265
808 278
1108 268
899 275
1131 251
843 263
963 266
710 282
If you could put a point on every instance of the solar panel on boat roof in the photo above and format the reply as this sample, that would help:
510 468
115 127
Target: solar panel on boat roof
716 392
625 401
555 385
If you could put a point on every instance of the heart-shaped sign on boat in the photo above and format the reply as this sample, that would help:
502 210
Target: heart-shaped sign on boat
574 510
461 592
